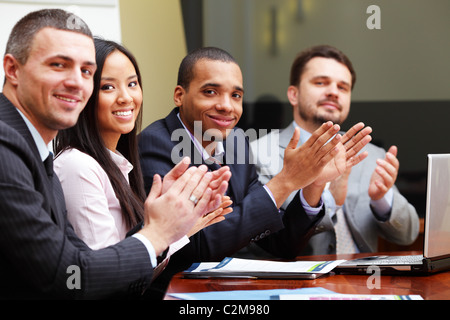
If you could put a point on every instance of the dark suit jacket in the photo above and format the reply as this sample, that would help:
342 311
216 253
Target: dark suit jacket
38 244
255 218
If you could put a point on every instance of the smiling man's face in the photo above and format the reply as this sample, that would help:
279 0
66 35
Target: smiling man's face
56 81
214 97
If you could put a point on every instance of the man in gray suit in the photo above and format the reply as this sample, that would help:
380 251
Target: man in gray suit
49 66
321 82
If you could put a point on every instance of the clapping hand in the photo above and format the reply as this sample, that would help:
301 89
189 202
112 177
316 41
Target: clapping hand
384 175
349 146
213 217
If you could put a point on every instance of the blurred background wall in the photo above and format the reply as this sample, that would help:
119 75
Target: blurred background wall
153 30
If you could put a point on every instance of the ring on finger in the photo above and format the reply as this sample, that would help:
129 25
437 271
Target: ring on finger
193 199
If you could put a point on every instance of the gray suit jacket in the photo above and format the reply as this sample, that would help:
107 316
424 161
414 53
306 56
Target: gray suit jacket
402 227
38 244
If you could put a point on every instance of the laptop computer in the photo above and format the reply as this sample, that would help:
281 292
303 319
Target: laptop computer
436 251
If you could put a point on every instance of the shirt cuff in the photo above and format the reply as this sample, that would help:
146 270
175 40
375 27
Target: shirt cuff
149 246
310 211
174 247
271 195
382 208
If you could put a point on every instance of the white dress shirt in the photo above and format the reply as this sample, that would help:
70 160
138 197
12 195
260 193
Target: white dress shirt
92 206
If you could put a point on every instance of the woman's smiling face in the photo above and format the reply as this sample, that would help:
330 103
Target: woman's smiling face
119 100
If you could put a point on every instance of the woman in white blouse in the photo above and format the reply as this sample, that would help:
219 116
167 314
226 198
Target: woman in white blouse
97 160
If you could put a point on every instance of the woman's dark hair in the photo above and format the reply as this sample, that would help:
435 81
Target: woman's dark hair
85 136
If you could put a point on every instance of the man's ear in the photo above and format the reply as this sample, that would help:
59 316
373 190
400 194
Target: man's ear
11 68
178 95
292 94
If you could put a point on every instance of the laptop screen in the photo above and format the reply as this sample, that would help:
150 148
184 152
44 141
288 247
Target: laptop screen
437 219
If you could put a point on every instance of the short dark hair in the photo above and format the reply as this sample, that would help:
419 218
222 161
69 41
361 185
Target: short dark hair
186 69
324 51
22 35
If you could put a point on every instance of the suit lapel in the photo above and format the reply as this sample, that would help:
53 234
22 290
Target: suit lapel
233 184
10 115
286 135
179 135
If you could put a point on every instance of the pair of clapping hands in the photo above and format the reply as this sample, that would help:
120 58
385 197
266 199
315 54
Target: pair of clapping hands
191 198
185 201
341 154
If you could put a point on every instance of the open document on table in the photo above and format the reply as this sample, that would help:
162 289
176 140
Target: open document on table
316 293
248 268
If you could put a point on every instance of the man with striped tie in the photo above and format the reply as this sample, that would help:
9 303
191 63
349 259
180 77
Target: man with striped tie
363 203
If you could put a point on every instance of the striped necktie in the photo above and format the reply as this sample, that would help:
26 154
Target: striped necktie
344 239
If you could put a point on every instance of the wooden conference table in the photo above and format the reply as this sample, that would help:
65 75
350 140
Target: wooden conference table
433 287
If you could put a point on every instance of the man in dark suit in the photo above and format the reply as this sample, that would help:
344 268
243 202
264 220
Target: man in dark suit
209 98
48 80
